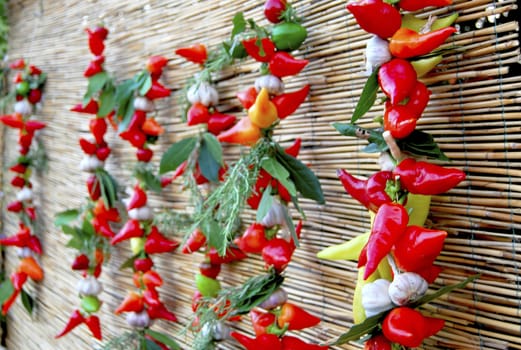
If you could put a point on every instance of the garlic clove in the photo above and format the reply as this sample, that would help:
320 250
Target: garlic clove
407 287
375 297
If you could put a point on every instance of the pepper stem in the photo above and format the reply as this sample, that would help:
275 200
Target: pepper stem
393 147
392 263
428 25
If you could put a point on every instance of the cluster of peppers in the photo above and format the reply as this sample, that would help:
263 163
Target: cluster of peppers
144 306
396 258
29 81
100 212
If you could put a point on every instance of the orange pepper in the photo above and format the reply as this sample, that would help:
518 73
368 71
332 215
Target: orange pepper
407 43
31 267
151 127
263 113
243 133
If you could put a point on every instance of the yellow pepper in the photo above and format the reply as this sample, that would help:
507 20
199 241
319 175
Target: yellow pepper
358 310
425 65
349 250
416 24
263 113
418 208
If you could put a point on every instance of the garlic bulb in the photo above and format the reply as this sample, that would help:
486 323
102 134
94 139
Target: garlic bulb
90 163
220 331
25 195
203 93
273 84
376 53
375 297
386 162
141 214
89 286
144 104
23 107
24 252
138 319
276 215
407 287
277 298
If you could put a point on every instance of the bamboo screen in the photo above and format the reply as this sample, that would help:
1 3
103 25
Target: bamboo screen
474 114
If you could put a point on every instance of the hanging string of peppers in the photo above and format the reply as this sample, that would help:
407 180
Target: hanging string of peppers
29 81
396 258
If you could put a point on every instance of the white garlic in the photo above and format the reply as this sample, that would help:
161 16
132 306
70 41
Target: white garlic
376 53
23 107
277 298
138 319
220 331
203 93
375 297
24 252
276 215
25 195
90 163
89 286
144 104
273 84
407 287
386 162
141 214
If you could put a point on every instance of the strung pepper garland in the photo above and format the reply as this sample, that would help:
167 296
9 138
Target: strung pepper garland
29 81
396 258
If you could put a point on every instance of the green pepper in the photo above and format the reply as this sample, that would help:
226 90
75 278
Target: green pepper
288 36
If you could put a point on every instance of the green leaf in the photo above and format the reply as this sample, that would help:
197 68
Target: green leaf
279 172
163 338
445 290
129 263
421 144
212 230
214 147
371 135
207 164
87 229
367 98
145 85
239 24
108 187
291 226
68 230
177 154
125 102
359 330
27 301
150 345
65 217
6 290
107 102
265 203
96 83
304 179
147 178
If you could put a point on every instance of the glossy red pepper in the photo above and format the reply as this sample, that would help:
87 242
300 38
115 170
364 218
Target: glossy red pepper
32 125
131 229
261 321
138 199
195 53
397 78
75 320
17 64
282 64
10 301
87 146
421 177
409 327
143 264
378 342
375 189
152 128
418 99
244 132
133 302
94 326
355 187
96 37
160 311
15 206
90 108
81 262
144 154
407 43
157 90
253 48
151 298
105 213
18 181
273 10
93 187
415 5
155 66
232 254
137 138
288 103
295 317
95 66
103 153
278 253
389 225
247 97
399 120
293 343
35 96
20 239
157 243
253 239
430 274
418 248
197 114
262 342
14 120
195 241
209 270
31 268
98 128
376 17
219 122
18 280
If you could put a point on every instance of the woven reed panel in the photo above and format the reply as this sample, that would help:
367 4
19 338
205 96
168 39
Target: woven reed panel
474 114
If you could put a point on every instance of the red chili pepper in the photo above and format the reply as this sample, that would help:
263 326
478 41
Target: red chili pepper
197 114
87 146
144 154
17 64
137 120
131 229
151 297
295 317
430 274
74 321
273 10
355 187
262 342
253 239
399 120
389 225
152 128
133 302
143 264
376 17
18 280
15 206
18 240
247 97
209 270
95 66
294 343
156 243
397 78
93 187
261 321
18 181
278 253
244 132
103 153
418 248
96 38
35 96
426 178
375 189
10 301
155 66
378 342
196 240
18 78
138 199
93 324
415 5
282 64
104 213
232 254
34 242
409 327
102 227
98 128
14 120
253 48
195 53
32 125
33 70
407 43
90 108
157 90
137 138
81 262
418 99
219 122
160 311
288 103
31 268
